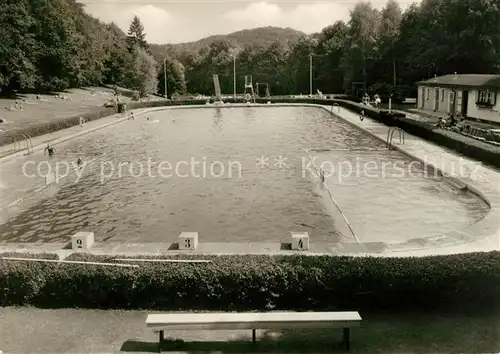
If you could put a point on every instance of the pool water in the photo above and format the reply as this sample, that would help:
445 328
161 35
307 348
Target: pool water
242 175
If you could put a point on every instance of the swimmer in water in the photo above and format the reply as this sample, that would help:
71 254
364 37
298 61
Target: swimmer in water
50 150
147 118
79 162
322 175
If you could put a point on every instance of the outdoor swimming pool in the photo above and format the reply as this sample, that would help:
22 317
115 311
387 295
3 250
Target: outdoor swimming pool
233 175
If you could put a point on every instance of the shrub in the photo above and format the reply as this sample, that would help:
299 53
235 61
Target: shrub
20 281
251 282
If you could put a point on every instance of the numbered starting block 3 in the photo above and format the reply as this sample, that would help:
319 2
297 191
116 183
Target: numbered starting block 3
300 241
188 240
82 241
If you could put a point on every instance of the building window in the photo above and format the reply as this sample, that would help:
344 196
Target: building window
427 94
442 95
486 98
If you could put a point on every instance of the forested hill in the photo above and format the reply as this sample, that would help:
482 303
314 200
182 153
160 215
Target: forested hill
257 37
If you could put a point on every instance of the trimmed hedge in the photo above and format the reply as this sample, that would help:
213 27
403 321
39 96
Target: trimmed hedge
16 284
250 282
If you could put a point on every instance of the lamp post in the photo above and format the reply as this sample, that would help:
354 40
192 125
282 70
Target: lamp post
165 75
310 74
234 76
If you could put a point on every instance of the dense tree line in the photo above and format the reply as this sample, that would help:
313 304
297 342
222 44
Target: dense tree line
55 44
385 51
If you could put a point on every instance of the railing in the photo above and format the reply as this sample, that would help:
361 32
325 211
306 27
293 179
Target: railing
338 107
390 135
29 143
17 142
14 142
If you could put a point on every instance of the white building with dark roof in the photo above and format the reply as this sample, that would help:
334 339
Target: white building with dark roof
471 95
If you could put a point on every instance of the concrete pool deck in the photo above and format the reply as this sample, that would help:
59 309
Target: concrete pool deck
481 236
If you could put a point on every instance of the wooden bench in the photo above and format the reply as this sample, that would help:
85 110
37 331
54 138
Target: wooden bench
251 320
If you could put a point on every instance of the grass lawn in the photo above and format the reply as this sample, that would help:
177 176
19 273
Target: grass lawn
51 108
30 330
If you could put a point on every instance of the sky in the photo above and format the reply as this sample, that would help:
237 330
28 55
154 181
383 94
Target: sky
167 21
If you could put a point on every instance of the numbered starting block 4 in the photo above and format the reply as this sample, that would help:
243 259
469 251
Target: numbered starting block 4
82 241
300 241
188 240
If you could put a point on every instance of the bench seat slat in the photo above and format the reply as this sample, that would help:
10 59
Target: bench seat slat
254 325
267 320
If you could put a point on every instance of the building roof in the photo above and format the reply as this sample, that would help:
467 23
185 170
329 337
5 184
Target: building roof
471 80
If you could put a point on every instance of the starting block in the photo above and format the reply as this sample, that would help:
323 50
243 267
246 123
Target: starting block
300 241
188 240
82 240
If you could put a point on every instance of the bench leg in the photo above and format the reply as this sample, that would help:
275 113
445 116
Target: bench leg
254 337
347 339
160 341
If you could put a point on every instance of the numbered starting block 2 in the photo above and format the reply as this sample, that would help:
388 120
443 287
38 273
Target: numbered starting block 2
82 241
188 240
300 241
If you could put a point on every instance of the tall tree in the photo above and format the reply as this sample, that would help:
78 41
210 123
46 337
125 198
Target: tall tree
145 73
363 32
330 52
58 44
136 35
390 23
176 80
18 47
